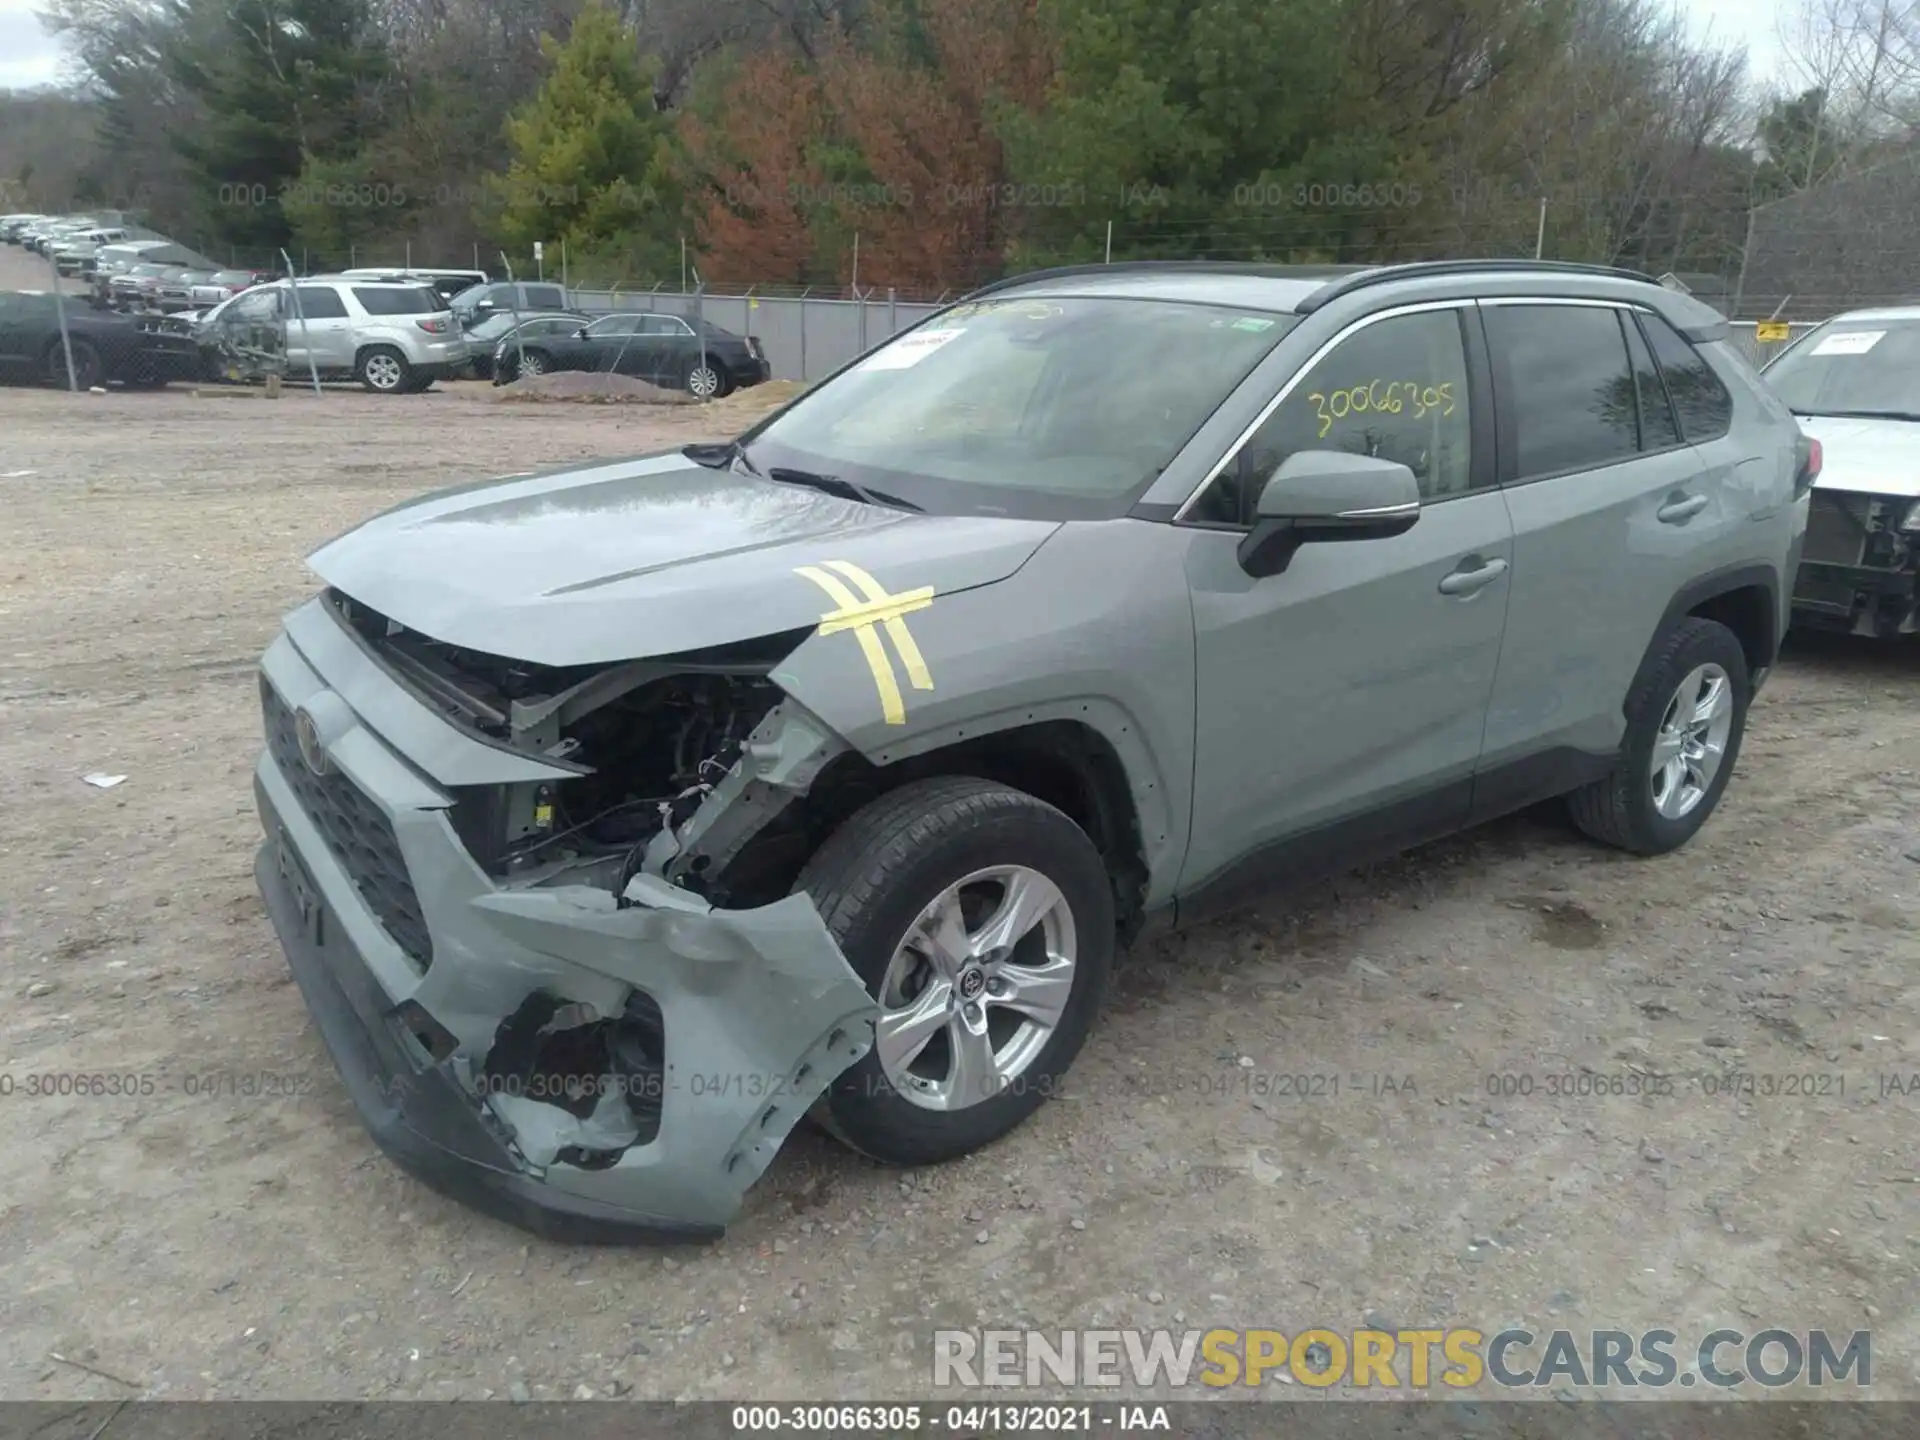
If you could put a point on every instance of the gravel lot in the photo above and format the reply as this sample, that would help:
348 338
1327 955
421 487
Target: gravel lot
231 1245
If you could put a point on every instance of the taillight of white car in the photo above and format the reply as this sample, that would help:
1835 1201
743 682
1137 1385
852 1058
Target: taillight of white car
434 325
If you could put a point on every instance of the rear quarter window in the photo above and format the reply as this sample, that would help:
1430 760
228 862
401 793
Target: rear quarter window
398 300
1702 403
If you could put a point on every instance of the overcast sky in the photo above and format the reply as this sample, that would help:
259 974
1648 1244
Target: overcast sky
29 56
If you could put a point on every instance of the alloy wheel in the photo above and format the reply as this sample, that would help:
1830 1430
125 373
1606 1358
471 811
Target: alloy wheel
1692 741
383 372
976 988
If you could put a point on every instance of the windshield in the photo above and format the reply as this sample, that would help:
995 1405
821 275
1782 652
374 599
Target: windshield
1852 367
1050 409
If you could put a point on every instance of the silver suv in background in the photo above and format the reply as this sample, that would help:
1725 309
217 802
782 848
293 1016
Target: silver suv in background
393 337
838 761
1854 382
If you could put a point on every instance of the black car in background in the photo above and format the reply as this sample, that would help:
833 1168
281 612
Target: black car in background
497 341
106 346
664 350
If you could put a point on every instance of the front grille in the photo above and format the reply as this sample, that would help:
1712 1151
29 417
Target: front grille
1836 528
356 830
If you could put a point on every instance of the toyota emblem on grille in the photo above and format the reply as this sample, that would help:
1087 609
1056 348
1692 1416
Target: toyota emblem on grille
311 750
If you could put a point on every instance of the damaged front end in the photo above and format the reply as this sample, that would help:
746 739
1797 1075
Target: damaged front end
543 917
1860 564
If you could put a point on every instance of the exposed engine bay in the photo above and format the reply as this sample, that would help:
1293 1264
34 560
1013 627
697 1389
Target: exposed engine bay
651 740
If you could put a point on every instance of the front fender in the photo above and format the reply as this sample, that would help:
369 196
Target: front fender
1097 628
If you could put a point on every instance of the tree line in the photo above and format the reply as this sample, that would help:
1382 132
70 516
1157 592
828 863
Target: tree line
931 144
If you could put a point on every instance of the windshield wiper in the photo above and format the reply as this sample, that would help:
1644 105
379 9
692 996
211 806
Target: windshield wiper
1859 414
836 485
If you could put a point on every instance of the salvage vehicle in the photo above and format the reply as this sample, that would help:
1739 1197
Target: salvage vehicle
446 283
394 337
138 286
106 347
1855 384
661 349
617 817
498 343
174 293
479 303
224 285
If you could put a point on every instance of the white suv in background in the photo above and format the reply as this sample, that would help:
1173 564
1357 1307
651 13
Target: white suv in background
393 337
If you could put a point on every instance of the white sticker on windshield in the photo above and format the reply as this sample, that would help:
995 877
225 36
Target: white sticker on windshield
1849 342
910 349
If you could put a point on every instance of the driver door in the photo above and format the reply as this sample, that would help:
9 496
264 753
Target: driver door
1342 703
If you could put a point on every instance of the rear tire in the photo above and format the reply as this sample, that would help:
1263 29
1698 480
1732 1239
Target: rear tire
1685 721
708 382
383 370
1022 975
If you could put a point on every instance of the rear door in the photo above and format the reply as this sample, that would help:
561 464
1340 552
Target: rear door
677 350
1612 512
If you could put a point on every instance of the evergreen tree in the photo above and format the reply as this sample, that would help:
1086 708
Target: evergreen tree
591 159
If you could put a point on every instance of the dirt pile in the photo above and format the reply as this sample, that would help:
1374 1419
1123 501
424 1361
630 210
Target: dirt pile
752 403
590 387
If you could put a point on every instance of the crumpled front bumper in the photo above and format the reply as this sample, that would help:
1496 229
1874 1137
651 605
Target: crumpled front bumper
758 1011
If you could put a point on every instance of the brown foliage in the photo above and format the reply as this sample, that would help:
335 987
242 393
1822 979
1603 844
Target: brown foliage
921 125
754 172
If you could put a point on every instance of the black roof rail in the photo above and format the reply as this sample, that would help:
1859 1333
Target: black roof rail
1419 269
1172 267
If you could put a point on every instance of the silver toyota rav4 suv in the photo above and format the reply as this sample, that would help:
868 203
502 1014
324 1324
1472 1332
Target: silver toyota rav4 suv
617 817
394 337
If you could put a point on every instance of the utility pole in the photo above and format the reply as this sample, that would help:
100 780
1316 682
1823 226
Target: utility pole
1540 240
1109 242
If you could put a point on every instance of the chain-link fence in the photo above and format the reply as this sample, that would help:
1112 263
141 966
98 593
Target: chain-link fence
804 337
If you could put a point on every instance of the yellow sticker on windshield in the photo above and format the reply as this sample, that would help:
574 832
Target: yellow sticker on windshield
865 617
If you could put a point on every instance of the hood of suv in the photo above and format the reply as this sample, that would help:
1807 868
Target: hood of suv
1877 457
642 557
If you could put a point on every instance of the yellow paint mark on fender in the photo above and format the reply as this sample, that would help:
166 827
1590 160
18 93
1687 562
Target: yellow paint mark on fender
863 616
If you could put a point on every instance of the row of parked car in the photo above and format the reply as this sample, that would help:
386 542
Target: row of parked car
392 330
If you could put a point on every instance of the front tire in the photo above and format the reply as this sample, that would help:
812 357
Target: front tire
981 919
1685 721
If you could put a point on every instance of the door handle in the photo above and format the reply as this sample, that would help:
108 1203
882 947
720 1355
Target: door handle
1472 582
1678 512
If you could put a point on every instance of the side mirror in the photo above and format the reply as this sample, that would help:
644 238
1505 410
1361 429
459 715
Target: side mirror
1322 495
